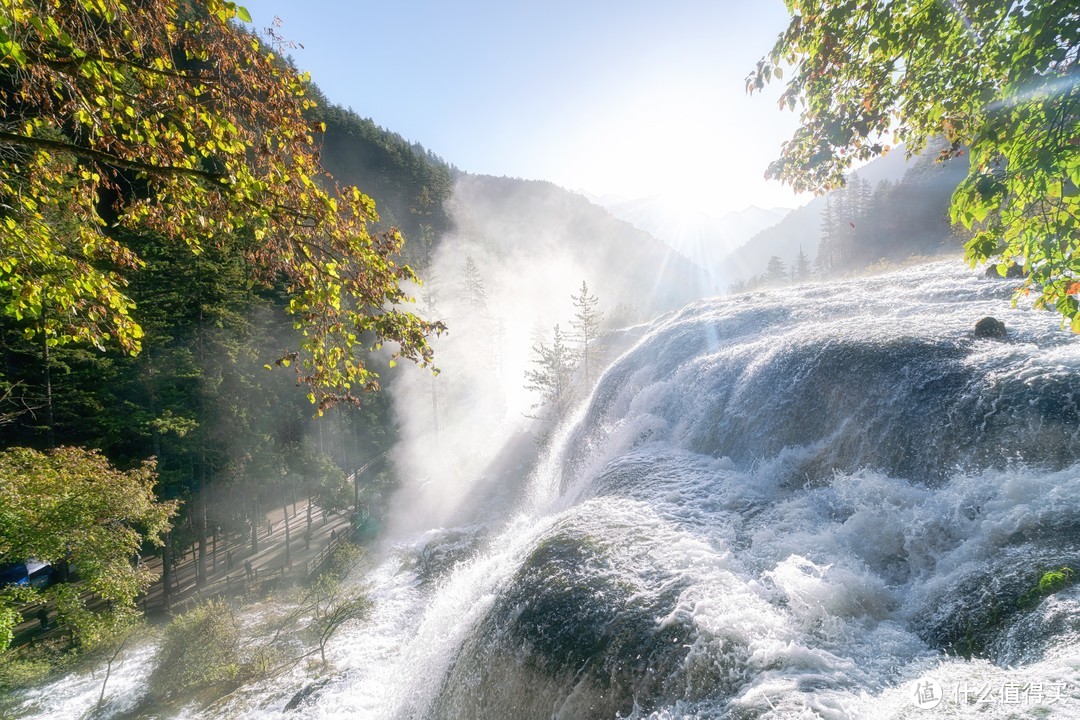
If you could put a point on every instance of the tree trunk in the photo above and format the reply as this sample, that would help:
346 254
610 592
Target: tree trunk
200 529
357 453
309 509
344 445
200 566
285 511
585 360
166 572
155 451
46 371
255 525
108 669
151 396
356 491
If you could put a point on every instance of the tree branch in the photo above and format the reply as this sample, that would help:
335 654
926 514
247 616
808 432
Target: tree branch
108 158
58 63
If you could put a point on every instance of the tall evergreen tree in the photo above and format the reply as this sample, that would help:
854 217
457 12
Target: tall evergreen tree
473 285
429 298
825 261
775 272
586 326
552 376
800 270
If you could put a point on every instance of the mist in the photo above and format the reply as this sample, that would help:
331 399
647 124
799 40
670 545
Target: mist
504 276
502 280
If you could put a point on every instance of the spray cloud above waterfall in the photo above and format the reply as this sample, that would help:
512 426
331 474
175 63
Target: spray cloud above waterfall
529 246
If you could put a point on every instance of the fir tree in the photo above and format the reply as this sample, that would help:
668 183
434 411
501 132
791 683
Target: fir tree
800 270
825 261
586 325
551 376
473 285
775 273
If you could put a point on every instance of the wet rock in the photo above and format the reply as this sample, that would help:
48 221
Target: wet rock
993 611
1015 272
305 696
575 633
989 327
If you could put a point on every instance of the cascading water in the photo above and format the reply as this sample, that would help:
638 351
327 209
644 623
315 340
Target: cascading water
830 501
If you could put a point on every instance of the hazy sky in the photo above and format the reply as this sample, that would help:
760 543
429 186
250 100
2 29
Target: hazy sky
610 97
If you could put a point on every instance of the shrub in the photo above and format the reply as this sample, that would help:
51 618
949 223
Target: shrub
200 649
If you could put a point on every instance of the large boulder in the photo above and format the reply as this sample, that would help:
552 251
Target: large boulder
990 327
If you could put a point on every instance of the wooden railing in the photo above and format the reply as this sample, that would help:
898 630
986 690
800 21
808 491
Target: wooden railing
315 565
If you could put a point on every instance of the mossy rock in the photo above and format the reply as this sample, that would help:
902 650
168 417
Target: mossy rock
574 635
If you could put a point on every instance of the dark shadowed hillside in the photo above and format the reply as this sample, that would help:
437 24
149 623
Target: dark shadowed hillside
411 185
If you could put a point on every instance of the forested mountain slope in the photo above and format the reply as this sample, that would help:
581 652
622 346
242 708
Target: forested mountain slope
888 211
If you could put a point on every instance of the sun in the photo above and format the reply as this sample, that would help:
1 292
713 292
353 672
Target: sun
676 140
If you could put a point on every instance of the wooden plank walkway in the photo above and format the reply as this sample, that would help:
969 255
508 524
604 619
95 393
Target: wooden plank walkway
268 563
307 557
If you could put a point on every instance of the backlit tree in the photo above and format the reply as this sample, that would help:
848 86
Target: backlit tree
165 118
999 81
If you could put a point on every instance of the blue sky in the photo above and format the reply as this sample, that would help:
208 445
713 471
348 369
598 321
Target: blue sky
622 98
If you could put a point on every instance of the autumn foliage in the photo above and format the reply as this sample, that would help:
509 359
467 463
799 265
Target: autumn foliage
166 119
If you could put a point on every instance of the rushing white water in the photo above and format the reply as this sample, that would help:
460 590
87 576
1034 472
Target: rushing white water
825 502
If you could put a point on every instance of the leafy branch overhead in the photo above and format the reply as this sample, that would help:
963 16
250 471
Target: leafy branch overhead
168 120
1000 81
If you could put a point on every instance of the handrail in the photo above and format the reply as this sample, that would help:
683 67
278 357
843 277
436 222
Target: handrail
355 473
310 568
315 564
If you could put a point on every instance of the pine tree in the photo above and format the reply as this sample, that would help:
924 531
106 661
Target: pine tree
800 270
473 285
482 327
551 376
862 210
775 273
825 261
845 230
586 325
429 297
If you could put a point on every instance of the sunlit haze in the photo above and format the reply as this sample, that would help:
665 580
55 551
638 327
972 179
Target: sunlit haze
630 99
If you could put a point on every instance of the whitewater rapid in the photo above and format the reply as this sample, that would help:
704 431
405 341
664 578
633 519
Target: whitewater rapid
830 501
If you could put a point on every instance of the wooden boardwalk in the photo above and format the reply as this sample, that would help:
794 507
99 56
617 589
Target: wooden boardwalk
306 555
270 562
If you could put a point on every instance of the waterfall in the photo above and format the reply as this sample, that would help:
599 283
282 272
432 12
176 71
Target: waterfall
825 501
